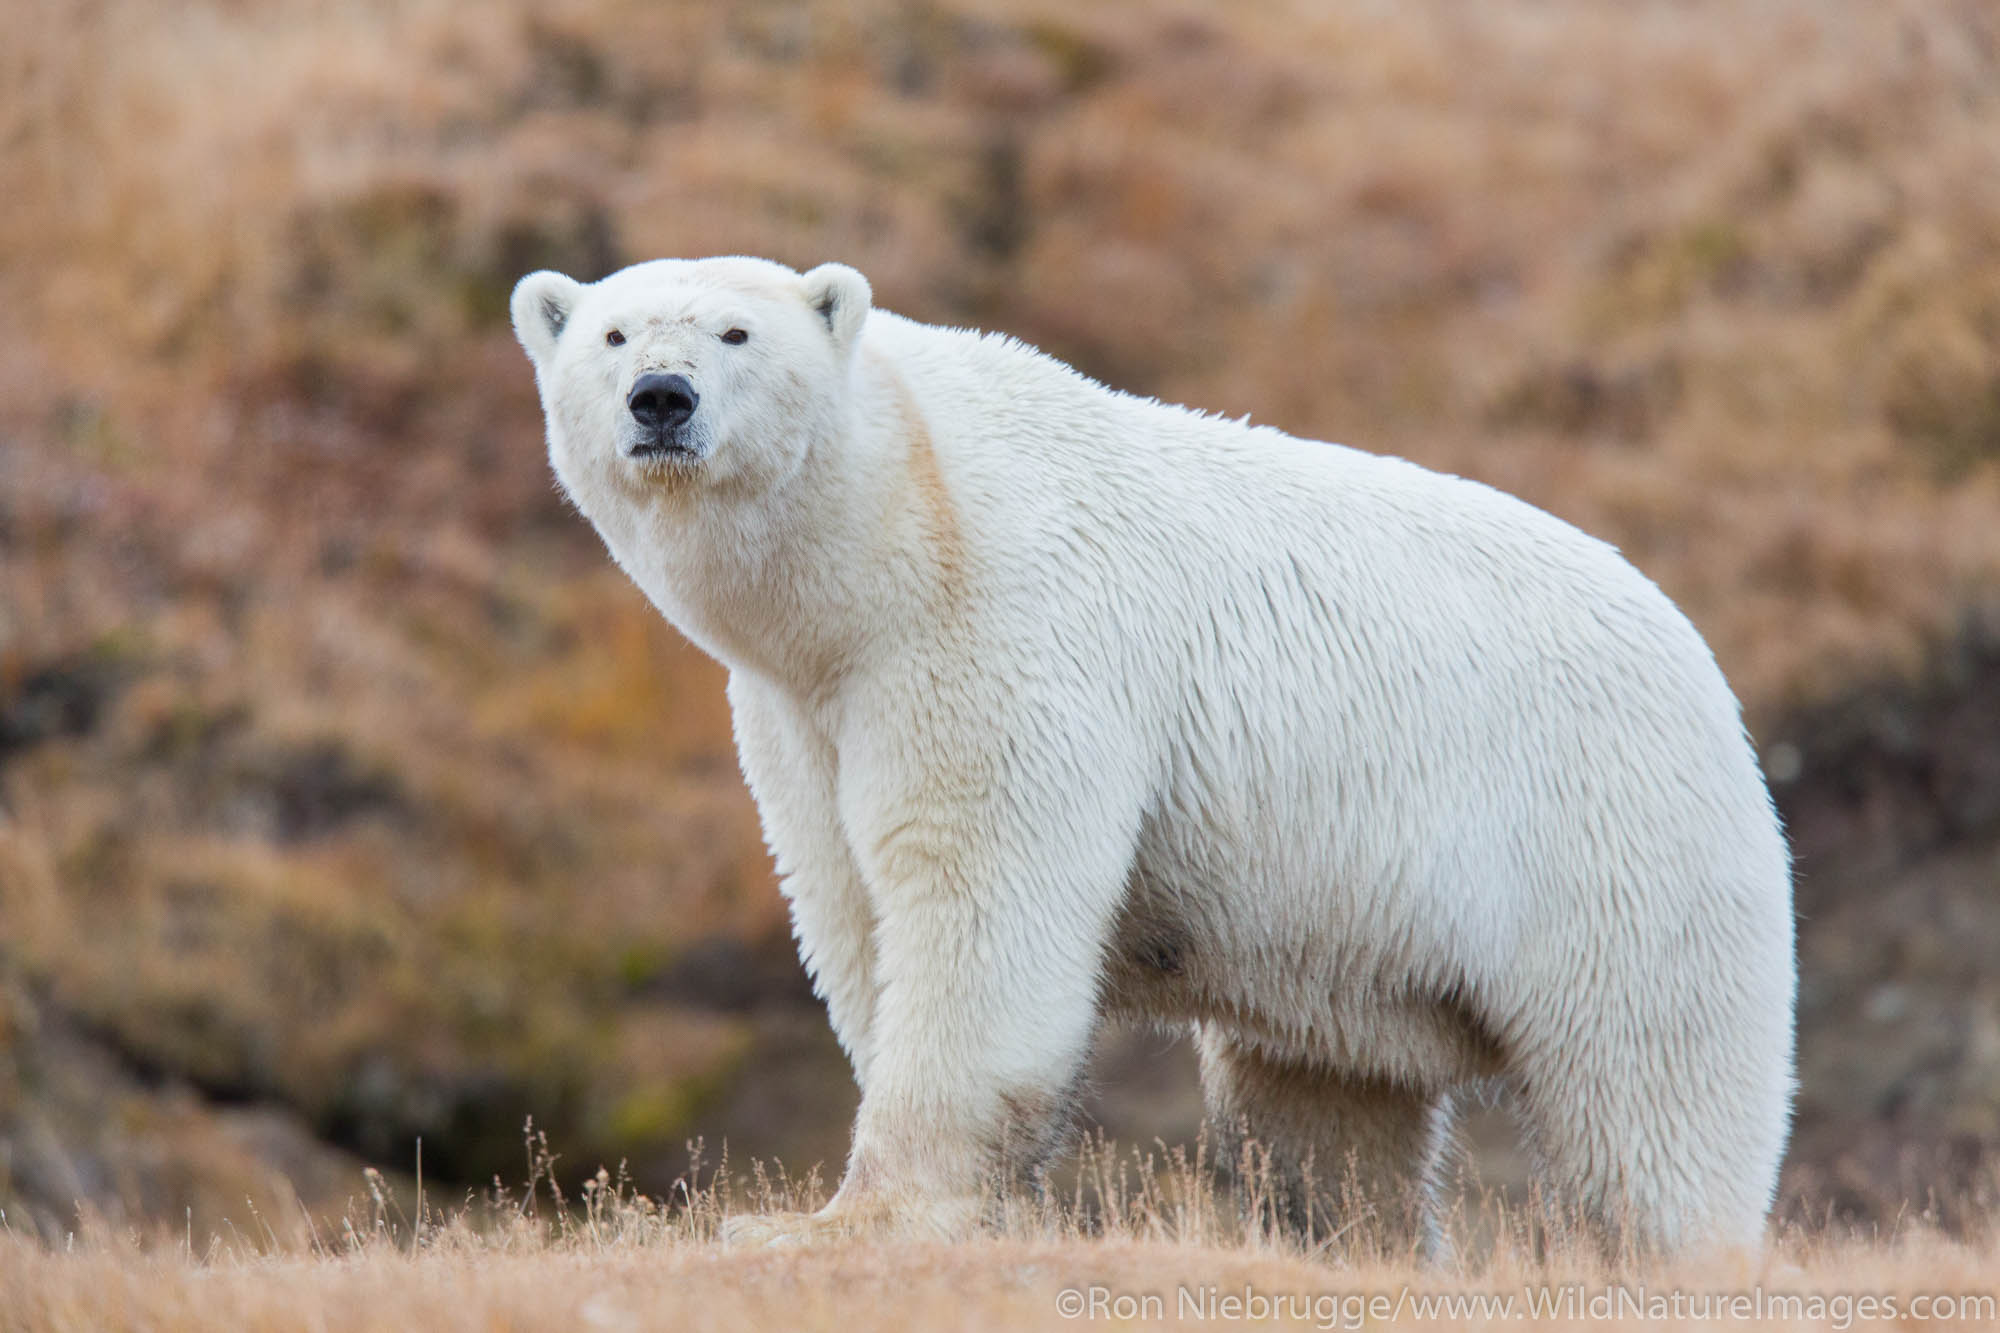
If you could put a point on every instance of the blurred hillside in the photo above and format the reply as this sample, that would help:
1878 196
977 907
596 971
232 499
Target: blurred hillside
348 795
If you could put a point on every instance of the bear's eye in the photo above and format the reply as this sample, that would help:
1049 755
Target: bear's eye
615 338
736 337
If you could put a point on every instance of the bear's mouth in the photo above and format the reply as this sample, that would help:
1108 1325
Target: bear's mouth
676 447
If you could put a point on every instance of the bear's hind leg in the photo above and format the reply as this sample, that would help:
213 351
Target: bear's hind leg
1662 1133
1347 1157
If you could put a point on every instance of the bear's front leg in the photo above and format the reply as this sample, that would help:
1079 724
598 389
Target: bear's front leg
993 895
792 773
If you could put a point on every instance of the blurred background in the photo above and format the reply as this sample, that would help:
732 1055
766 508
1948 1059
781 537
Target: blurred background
349 795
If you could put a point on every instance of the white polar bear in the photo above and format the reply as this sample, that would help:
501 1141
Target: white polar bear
1057 702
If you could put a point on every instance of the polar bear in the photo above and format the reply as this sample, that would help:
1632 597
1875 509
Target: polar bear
1058 703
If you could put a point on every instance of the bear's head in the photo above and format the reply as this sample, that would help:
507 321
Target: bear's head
689 373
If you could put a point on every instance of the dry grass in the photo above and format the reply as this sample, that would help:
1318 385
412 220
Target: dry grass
339 773
1001 1283
1139 1243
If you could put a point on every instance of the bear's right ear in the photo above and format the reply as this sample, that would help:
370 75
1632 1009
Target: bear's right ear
841 297
541 305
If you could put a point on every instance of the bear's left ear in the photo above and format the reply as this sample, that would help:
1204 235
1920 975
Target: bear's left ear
540 307
841 296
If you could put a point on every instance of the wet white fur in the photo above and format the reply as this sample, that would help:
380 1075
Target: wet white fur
1055 700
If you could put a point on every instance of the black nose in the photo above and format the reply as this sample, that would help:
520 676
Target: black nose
662 402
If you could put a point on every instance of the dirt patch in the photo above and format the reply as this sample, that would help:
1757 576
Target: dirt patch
1892 797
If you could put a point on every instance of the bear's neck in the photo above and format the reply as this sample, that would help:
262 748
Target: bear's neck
822 575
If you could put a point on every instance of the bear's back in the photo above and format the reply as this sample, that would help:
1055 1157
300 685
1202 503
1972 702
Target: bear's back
1308 607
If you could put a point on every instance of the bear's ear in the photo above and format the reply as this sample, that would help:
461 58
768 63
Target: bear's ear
841 296
541 305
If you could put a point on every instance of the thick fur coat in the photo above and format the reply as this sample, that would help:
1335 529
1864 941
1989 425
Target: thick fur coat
1058 702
